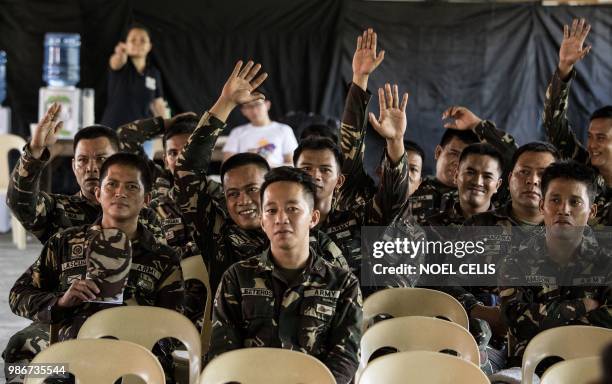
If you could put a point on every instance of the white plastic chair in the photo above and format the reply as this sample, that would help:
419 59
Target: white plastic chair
587 370
10 142
422 367
101 361
418 333
567 342
399 302
266 366
145 326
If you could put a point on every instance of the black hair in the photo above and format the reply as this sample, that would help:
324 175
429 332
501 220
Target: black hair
535 146
296 175
602 113
483 149
240 159
129 160
468 137
181 125
571 170
410 145
316 144
136 25
95 131
319 130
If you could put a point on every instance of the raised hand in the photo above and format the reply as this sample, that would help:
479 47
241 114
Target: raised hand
365 59
239 89
463 118
572 47
45 133
391 124
121 50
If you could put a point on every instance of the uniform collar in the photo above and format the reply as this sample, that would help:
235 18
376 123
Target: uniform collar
314 266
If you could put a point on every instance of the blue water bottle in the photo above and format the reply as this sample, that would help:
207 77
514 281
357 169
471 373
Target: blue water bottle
2 76
62 59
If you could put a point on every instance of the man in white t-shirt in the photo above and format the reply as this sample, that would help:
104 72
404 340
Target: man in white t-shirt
270 139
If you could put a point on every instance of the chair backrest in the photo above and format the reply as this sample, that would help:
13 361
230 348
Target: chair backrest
8 142
422 367
399 302
266 366
101 361
567 342
194 268
587 370
145 326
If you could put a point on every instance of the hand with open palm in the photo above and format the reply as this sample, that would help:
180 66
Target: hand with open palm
391 124
365 59
45 133
572 47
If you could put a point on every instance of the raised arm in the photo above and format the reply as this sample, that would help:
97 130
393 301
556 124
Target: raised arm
29 205
119 57
558 128
393 188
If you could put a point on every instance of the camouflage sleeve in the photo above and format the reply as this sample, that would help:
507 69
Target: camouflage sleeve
36 292
170 290
328 250
194 192
391 193
226 316
345 333
352 144
133 135
557 126
504 142
32 207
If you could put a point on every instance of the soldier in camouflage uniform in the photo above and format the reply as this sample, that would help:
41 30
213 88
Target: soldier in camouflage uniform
289 297
228 230
597 153
44 214
550 281
55 289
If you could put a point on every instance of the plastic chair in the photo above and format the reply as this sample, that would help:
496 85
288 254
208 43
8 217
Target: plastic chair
266 366
10 142
399 302
101 361
586 370
422 367
567 342
418 333
194 268
145 326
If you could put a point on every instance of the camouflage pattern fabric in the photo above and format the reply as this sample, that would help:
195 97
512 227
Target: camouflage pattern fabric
528 310
562 136
319 314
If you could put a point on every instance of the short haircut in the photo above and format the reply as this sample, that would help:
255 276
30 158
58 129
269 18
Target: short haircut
240 159
411 146
181 126
129 160
535 146
95 131
316 144
483 149
295 175
602 113
571 170
137 26
468 137
319 130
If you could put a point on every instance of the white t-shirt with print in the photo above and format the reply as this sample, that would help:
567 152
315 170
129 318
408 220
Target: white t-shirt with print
271 141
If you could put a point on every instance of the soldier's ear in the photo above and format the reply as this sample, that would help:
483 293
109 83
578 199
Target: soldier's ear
593 211
340 182
314 218
542 204
96 191
437 152
147 199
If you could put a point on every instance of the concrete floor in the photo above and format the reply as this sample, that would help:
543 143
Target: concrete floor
12 264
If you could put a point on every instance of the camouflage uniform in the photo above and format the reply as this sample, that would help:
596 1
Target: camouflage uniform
221 241
528 310
342 225
562 136
45 214
154 279
320 313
